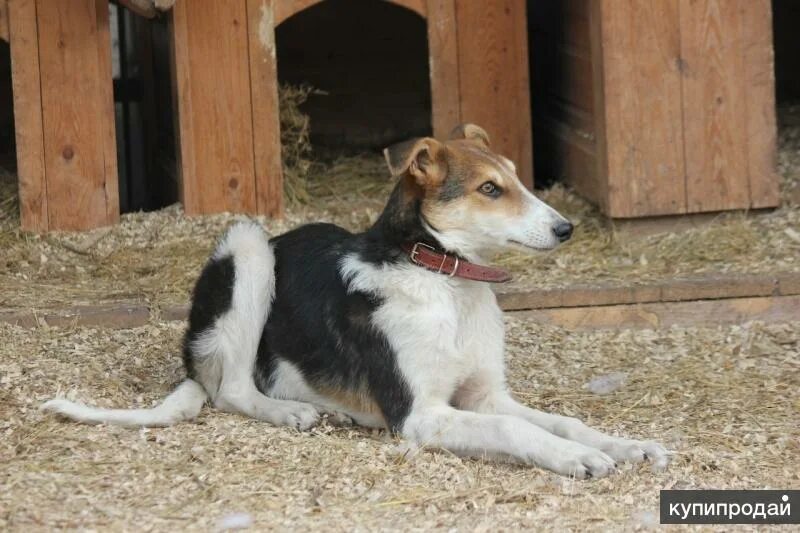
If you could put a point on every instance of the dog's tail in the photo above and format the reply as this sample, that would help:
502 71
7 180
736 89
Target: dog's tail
184 403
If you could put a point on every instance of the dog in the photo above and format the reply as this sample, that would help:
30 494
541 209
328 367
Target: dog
396 327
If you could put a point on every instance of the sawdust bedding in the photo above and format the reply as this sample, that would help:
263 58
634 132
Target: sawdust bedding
724 399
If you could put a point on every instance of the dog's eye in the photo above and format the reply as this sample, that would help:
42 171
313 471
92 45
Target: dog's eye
490 189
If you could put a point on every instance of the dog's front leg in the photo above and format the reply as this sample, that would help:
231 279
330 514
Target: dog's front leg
620 449
476 435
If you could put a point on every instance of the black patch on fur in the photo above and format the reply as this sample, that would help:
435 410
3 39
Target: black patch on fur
450 190
323 329
212 297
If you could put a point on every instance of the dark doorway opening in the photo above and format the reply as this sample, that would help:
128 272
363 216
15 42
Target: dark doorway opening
368 63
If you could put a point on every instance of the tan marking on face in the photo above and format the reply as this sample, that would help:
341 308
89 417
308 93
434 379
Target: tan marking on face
470 165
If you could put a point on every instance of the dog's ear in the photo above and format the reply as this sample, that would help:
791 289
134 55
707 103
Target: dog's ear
423 159
470 132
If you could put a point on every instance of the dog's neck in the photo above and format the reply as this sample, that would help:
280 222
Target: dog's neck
401 221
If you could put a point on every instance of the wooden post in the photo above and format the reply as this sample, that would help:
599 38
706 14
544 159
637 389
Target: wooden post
226 84
4 20
266 113
64 114
493 76
443 64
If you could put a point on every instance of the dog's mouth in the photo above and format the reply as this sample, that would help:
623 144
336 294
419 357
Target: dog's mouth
528 247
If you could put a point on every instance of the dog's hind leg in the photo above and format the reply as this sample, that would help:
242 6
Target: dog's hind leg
223 355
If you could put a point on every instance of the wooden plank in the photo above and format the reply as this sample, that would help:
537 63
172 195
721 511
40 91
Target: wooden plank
4 20
775 309
283 9
759 80
640 41
707 287
77 110
118 316
266 113
105 88
493 76
443 51
715 123
211 48
28 126
711 313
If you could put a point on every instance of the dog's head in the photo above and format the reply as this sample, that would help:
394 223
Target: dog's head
471 198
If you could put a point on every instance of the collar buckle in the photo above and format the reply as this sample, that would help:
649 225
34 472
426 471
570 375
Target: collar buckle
415 252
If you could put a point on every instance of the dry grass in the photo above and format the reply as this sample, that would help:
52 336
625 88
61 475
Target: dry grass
295 143
726 400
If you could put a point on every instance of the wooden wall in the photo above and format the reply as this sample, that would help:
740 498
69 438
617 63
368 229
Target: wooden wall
64 113
679 115
226 74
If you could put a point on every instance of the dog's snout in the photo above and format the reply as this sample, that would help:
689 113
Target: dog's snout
562 231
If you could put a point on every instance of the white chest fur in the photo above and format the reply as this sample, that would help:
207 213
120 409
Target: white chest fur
444 331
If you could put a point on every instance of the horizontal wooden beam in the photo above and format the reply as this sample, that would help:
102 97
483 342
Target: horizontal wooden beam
667 314
709 300
710 287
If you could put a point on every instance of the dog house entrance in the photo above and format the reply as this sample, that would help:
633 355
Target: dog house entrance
367 62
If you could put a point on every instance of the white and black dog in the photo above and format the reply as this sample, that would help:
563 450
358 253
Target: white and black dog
395 327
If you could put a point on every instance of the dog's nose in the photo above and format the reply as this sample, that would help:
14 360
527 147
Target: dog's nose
563 231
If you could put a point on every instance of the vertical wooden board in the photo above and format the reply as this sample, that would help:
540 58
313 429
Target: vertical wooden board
76 118
266 113
493 76
759 80
106 108
4 20
600 182
714 110
28 114
640 42
443 65
212 72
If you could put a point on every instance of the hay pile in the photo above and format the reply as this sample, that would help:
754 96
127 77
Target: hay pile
724 399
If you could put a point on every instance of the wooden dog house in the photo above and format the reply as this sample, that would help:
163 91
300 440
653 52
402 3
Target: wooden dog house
651 107
658 107
227 100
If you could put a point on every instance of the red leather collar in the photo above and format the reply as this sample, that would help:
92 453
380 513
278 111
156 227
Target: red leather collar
450 265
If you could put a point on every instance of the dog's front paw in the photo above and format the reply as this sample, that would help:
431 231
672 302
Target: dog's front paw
301 416
579 461
636 451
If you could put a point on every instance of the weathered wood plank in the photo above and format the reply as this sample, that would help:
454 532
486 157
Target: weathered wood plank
77 111
4 20
715 122
105 88
266 113
759 80
493 76
664 315
443 64
214 104
708 287
286 8
28 126
640 42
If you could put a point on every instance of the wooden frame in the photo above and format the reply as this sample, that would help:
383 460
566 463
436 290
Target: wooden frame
227 100
66 154
667 106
